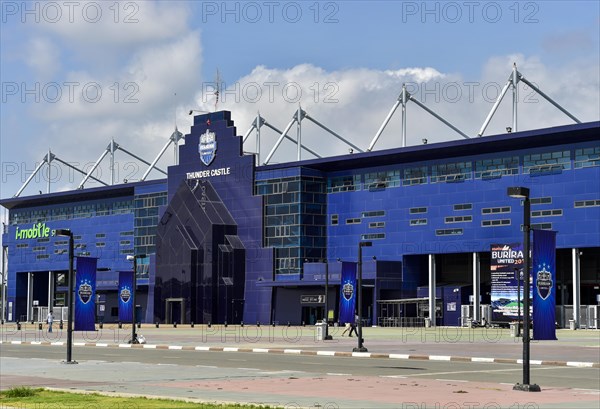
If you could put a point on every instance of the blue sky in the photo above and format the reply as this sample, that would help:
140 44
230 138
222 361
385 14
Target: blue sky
153 61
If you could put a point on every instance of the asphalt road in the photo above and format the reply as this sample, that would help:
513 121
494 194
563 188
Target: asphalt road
233 363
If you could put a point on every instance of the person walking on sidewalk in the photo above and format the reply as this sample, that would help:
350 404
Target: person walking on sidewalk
353 326
49 320
347 328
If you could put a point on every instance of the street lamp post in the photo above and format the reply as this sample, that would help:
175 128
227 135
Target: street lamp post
518 276
523 193
361 347
327 336
134 258
68 233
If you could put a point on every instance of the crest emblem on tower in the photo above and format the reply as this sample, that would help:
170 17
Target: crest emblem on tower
207 147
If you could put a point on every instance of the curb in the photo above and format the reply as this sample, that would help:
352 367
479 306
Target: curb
448 358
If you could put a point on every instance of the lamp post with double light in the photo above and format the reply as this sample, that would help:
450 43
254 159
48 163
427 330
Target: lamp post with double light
134 258
523 193
361 347
68 233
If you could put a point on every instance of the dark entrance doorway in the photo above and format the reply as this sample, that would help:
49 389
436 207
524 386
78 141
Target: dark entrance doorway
310 315
174 310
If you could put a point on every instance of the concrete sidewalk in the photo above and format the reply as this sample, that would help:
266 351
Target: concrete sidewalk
573 348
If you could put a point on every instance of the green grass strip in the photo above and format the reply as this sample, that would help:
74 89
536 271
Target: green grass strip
25 397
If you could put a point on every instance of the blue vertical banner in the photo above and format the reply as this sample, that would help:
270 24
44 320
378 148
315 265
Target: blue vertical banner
125 296
348 292
85 294
544 284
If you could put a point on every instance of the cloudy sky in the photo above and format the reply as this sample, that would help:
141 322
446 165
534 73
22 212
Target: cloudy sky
76 74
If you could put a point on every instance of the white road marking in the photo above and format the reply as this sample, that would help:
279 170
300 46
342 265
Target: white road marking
477 359
399 356
581 364
439 357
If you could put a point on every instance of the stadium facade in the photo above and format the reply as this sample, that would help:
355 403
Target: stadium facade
224 239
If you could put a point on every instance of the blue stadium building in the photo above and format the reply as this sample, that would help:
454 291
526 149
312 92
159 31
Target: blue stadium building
223 239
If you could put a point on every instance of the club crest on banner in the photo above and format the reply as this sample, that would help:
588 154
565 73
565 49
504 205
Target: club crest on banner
207 147
348 291
544 283
85 292
125 294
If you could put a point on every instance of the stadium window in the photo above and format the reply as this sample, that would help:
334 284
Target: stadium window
540 200
418 222
496 210
417 210
448 232
463 206
547 213
586 203
538 164
458 219
587 157
375 213
495 223
496 167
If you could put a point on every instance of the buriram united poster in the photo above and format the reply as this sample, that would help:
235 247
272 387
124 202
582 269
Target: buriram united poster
507 263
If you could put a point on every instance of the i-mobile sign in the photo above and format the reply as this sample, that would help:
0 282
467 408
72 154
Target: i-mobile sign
37 231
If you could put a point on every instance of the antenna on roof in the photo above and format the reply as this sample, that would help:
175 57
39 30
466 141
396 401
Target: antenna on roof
217 88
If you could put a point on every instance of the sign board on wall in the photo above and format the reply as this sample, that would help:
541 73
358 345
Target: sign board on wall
312 299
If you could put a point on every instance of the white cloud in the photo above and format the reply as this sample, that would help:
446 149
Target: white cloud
355 102
351 102
143 87
43 56
92 24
